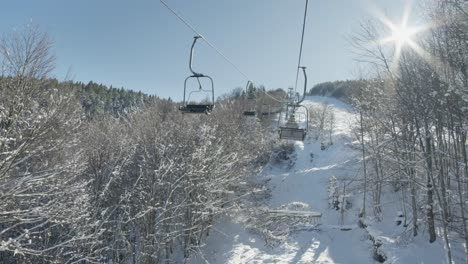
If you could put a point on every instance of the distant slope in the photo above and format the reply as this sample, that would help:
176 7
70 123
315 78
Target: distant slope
306 183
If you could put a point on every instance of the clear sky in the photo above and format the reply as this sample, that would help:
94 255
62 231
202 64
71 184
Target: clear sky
140 45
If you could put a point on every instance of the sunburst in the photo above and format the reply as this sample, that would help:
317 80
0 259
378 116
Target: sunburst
402 35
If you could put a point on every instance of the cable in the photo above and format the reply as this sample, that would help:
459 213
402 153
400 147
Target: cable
302 42
214 48
181 19
206 40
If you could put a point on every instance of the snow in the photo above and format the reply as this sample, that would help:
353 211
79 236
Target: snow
233 244
337 239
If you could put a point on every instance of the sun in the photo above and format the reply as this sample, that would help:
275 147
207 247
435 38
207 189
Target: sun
402 35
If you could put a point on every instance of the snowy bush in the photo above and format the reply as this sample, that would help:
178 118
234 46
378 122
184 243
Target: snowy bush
333 193
282 152
275 225
322 124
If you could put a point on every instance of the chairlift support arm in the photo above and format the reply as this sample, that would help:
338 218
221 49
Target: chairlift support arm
248 86
305 85
194 73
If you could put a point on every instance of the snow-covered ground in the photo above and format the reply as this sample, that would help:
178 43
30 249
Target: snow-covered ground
306 181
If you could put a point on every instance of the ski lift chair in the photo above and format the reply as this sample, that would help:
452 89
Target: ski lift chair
291 129
189 107
250 92
250 113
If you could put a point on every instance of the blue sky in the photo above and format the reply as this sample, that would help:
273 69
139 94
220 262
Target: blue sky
140 45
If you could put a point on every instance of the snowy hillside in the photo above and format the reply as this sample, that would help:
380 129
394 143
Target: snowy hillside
336 238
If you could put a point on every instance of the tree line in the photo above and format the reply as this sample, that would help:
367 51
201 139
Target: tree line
343 90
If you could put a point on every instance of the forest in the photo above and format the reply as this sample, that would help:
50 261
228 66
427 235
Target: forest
97 174
90 173
413 123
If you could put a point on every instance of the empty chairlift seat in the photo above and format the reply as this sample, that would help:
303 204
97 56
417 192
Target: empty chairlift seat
196 108
292 131
250 113
251 96
298 134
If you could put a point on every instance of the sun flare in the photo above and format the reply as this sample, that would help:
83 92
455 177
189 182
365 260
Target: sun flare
401 35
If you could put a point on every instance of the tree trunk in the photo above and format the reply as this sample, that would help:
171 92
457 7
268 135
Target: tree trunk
461 199
362 214
414 205
427 151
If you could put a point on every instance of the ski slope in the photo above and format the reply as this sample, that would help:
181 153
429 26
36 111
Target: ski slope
306 182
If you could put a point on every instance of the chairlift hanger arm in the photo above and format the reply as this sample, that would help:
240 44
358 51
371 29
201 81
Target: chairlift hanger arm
305 84
302 42
247 87
195 74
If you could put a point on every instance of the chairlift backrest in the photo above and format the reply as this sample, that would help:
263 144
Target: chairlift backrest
291 123
290 130
298 134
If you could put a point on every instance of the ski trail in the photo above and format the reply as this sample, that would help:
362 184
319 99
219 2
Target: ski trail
305 182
